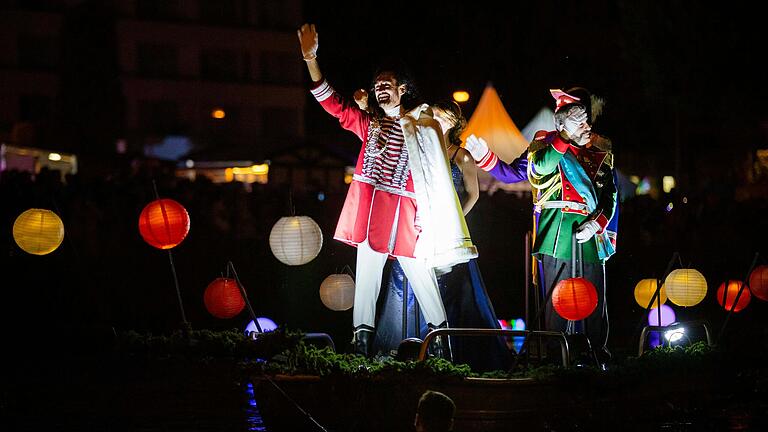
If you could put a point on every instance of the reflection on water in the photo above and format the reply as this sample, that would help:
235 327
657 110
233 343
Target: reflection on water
253 418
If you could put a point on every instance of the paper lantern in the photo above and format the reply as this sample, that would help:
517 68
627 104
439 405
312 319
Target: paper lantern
38 231
574 299
337 292
223 299
758 282
730 296
295 240
667 316
266 324
164 223
644 291
686 287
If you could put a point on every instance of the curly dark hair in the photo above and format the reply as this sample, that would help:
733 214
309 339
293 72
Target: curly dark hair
453 112
410 99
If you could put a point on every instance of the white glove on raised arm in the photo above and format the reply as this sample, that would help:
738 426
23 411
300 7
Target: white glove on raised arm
586 231
477 147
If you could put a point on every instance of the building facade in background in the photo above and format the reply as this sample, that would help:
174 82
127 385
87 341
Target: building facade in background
212 76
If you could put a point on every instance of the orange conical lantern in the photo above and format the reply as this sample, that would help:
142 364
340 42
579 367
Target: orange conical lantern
730 297
164 223
574 299
223 299
758 282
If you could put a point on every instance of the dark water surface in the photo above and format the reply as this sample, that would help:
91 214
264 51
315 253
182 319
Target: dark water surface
105 394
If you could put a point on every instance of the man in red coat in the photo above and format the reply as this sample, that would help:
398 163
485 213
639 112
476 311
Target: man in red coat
401 201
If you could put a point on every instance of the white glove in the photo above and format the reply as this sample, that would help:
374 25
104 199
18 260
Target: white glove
477 147
586 231
571 120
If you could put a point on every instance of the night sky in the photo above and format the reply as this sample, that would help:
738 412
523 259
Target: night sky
671 72
684 95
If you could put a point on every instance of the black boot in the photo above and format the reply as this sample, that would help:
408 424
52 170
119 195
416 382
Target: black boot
440 346
361 340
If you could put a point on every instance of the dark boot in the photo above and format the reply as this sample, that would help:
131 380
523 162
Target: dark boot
440 346
361 340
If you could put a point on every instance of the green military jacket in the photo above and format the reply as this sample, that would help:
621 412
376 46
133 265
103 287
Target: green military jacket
572 184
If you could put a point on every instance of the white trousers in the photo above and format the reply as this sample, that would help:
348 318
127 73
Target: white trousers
368 275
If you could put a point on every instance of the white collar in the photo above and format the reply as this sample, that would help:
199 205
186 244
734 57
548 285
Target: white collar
393 112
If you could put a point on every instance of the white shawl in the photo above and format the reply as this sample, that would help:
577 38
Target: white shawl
444 240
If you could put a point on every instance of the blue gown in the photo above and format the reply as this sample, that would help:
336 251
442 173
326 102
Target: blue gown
466 302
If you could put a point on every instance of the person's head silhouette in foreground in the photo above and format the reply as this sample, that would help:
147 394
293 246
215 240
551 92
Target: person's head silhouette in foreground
434 413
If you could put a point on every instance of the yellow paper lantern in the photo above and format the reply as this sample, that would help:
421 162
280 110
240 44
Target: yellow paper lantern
337 292
295 240
645 289
686 287
38 231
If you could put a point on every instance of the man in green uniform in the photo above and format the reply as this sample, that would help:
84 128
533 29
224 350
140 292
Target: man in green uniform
571 170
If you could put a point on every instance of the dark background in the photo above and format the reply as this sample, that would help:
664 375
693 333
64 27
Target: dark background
684 95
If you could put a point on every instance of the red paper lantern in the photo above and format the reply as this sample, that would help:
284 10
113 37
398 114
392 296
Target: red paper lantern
164 223
574 299
733 289
758 282
223 299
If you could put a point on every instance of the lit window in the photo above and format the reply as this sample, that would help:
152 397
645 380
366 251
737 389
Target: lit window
668 183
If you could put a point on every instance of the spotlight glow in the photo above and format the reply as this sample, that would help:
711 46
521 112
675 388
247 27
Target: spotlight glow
674 335
267 325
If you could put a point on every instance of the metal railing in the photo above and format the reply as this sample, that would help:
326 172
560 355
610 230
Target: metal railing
675 326
559 336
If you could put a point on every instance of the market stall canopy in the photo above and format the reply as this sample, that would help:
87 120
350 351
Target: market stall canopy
544 120
491 122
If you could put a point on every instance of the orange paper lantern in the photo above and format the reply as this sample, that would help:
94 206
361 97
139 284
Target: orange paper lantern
645 289
574 299
758 282
223 299
164 223
733 289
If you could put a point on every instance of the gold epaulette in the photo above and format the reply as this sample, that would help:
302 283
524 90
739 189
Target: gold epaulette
601 143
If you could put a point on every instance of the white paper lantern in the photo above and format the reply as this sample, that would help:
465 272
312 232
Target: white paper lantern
337 292
295 240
